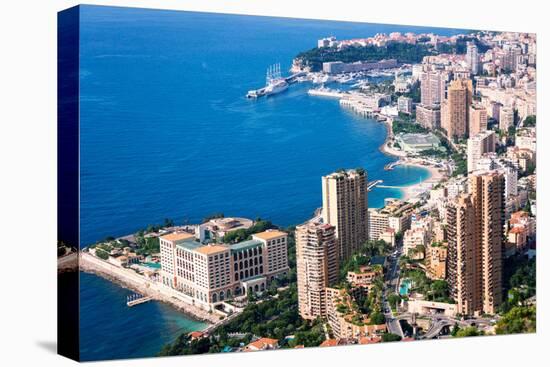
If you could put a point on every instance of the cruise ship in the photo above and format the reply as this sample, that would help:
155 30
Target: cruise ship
274 83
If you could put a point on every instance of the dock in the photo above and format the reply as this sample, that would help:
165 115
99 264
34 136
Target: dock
371 185
136 299
390 166
256 93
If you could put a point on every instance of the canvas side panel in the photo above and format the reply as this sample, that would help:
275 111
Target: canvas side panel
68 183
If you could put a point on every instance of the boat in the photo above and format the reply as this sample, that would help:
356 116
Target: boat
326 92
274 82
253 93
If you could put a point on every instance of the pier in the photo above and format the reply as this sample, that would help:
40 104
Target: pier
390 166
391 187
136 299
371 185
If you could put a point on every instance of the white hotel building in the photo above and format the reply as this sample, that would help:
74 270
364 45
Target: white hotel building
207 274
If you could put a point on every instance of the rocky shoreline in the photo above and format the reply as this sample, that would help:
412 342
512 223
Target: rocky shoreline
137 283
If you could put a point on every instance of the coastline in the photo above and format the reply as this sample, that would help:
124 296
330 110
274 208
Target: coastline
414 190
128 279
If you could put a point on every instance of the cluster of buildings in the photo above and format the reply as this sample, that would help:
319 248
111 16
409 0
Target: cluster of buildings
470 223
365 104
323 244
382 39
208 274
502 79
338 67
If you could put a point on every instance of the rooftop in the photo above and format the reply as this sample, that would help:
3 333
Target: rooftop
329 343
211 249
177 236
189 244
245 244
269 234
263 343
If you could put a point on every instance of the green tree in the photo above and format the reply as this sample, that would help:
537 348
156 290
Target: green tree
377 318
520 319
530 121
468 331
102 254
394 299
389 337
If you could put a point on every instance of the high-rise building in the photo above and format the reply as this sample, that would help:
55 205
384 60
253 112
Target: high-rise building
317 267
436 261
462 256
404 104
432 88
395 215
477 119
510 57
455 109
428 116
487 190
475 223
506 118
484 142
472 58
345 206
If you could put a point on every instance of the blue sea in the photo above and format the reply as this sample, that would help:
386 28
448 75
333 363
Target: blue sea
166 132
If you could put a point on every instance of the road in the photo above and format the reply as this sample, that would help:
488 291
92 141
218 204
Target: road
391 285
439 322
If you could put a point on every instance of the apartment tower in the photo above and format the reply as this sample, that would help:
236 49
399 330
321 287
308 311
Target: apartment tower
345 206
455 109
487 190
477 119
475 235
432 88
472 58
478 145
462 255
317 267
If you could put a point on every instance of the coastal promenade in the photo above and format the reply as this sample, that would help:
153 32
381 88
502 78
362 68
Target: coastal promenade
148 288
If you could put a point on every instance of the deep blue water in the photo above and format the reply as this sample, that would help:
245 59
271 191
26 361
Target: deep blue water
115 330
166 132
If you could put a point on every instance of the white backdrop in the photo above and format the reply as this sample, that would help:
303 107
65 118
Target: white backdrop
28 184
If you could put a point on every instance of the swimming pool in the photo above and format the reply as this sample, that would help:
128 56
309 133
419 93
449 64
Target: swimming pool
404 287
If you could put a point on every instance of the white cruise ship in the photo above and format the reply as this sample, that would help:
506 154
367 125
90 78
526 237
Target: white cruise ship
274 83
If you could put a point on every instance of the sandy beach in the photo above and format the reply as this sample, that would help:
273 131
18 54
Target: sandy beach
414 190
